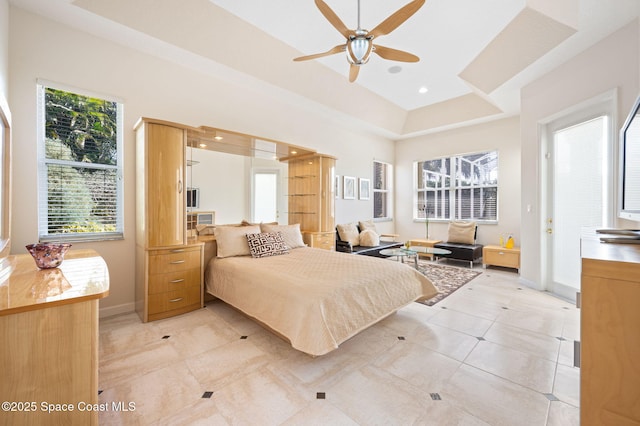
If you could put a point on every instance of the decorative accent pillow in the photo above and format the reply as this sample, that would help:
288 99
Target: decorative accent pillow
291 234
462 232
367 225
369 238
349 232
231 240
266 244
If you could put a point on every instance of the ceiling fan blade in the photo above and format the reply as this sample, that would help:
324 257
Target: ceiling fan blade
333 18
331 51
394 54
395 20
353 72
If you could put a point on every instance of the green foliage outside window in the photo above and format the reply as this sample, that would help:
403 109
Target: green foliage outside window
81 160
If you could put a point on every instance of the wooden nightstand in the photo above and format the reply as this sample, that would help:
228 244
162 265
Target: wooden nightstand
321 240
501 256
424 243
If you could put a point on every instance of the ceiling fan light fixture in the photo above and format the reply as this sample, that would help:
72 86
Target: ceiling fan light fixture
359 50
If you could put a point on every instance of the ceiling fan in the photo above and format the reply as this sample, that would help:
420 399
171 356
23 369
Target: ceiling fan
359 43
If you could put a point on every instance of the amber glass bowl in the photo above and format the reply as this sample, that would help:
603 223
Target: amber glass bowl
48 255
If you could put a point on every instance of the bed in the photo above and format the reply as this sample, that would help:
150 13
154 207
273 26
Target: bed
315 298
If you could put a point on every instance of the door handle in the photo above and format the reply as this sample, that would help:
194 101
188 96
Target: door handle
549 231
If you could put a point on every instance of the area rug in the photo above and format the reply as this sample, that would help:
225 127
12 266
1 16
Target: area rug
447 279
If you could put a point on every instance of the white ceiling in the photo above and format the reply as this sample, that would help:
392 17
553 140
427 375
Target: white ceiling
451 37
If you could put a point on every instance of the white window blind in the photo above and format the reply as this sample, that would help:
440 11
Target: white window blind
462 187
381 190
79 166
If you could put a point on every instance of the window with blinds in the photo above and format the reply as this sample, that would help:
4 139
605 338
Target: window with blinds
461 187
381 190
79 166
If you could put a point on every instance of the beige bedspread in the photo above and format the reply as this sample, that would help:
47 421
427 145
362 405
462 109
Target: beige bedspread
316 298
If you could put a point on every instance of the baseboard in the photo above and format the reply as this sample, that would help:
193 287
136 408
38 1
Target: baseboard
565 292
531 284
117 310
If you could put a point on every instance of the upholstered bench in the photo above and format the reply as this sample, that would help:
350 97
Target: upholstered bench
461 242
364 239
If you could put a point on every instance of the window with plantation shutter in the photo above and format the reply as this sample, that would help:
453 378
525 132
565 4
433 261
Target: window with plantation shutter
381 190
461 187
79 166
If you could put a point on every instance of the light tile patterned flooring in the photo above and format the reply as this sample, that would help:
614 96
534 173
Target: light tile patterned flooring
492 353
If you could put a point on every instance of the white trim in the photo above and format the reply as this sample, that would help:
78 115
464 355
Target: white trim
78 90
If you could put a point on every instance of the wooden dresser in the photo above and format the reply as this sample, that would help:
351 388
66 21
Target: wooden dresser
49 338
610 334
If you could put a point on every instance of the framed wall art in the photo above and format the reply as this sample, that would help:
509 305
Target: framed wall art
365 189
349 188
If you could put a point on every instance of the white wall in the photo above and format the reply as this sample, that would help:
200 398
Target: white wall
150 87
502 135
611 64
4 48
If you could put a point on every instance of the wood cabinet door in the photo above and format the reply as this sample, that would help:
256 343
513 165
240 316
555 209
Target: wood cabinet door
165 185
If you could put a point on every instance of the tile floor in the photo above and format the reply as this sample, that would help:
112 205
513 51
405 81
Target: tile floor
493 353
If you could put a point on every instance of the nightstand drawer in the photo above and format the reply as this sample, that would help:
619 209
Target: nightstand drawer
174 260
168 301
500 256
171 281
321 240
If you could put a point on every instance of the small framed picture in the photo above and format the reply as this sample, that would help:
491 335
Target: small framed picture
365 185
337 187
349 188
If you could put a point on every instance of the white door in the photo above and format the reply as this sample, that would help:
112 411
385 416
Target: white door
266 196
578 196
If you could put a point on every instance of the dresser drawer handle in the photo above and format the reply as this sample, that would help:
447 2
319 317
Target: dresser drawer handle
500 253
177 281
175 300
177 251
177 262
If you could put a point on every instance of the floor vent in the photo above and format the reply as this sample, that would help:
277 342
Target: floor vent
435 396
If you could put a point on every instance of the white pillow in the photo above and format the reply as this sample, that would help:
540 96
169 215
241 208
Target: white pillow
369 238
349 233
232 240
291 234
367 225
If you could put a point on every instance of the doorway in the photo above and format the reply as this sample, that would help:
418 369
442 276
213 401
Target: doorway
266 198
579 195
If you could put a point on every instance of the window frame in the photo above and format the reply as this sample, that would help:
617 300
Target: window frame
451 210
388 190
44 163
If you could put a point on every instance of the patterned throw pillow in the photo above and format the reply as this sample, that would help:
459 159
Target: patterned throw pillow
266 244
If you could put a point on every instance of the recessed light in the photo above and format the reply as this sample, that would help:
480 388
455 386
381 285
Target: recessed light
203 145
294 152
395 69
218 138
423 90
